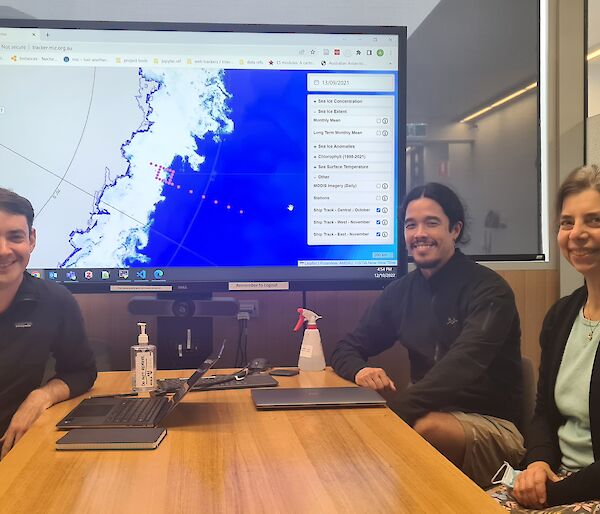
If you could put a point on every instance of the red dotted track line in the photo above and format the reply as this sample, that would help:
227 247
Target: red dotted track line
170 173
161 171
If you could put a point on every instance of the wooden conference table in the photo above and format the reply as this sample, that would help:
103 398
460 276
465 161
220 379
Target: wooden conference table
221 455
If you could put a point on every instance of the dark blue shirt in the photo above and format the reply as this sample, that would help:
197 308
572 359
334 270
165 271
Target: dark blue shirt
44 319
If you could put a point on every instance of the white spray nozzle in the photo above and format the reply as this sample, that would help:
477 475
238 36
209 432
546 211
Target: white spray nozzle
305 315
142 337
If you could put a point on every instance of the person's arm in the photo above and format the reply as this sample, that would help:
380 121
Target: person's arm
75 372
374 334
539 487
75 363
541 439
490 316
31 409
536 486
581 486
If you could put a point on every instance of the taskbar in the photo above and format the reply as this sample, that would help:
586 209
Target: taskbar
220 278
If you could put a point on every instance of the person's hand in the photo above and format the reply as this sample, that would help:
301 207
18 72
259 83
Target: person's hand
374 378
30 410
530 485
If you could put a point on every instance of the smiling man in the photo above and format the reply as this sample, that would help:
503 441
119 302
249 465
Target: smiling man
460 325
37 319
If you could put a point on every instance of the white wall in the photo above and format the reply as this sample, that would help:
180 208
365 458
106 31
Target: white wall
335 12
593 121
569 108
593 85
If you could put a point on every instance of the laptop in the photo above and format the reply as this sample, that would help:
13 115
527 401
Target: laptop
115 411
316 397
124 438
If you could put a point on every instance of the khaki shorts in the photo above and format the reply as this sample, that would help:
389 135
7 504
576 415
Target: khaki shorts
489 442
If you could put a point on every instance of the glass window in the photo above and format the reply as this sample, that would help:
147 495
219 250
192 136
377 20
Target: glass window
472 113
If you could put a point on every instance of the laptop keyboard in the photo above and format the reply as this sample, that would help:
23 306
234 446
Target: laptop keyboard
136 411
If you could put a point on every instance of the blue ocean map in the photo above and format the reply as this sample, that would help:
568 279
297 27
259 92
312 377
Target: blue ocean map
216 176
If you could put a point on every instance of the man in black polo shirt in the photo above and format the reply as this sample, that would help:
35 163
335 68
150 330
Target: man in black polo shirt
460 325
37 318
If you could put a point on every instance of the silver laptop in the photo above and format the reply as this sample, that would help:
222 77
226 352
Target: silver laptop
315 397
115 411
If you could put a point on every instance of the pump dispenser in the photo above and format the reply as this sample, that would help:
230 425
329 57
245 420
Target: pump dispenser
311 352
143 363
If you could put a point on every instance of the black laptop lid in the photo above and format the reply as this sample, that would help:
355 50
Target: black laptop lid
186 386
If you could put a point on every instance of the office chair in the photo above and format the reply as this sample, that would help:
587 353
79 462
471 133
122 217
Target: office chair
529 393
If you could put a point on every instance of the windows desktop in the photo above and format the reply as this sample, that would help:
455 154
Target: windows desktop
171 156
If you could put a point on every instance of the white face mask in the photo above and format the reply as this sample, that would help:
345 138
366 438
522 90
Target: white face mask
506 475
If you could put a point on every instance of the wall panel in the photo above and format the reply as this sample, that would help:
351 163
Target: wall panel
113 330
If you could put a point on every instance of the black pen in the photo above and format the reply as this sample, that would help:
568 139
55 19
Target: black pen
113 395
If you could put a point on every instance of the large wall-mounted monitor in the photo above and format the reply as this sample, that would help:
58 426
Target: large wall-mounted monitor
201 158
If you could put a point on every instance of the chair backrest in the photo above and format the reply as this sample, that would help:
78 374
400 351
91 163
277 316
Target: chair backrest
529 393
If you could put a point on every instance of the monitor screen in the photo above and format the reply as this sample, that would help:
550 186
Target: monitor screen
188 157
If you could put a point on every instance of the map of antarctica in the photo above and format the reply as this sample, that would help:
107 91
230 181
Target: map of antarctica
150 166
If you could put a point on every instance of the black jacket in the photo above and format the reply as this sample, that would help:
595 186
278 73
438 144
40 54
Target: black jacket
542 437
462 332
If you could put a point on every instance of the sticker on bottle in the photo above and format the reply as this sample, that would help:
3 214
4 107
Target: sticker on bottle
306 351
144 368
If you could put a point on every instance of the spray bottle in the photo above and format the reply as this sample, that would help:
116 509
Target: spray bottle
311 352
143 363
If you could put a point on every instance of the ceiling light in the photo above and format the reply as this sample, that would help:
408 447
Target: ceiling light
500 102
593 55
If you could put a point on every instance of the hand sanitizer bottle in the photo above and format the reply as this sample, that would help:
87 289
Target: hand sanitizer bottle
311 356
143 363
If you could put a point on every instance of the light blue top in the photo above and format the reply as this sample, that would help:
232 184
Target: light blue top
572 393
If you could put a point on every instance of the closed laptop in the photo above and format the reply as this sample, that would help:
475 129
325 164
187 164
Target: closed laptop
111 439
316 397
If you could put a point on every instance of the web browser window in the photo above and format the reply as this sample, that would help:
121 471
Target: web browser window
159 155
